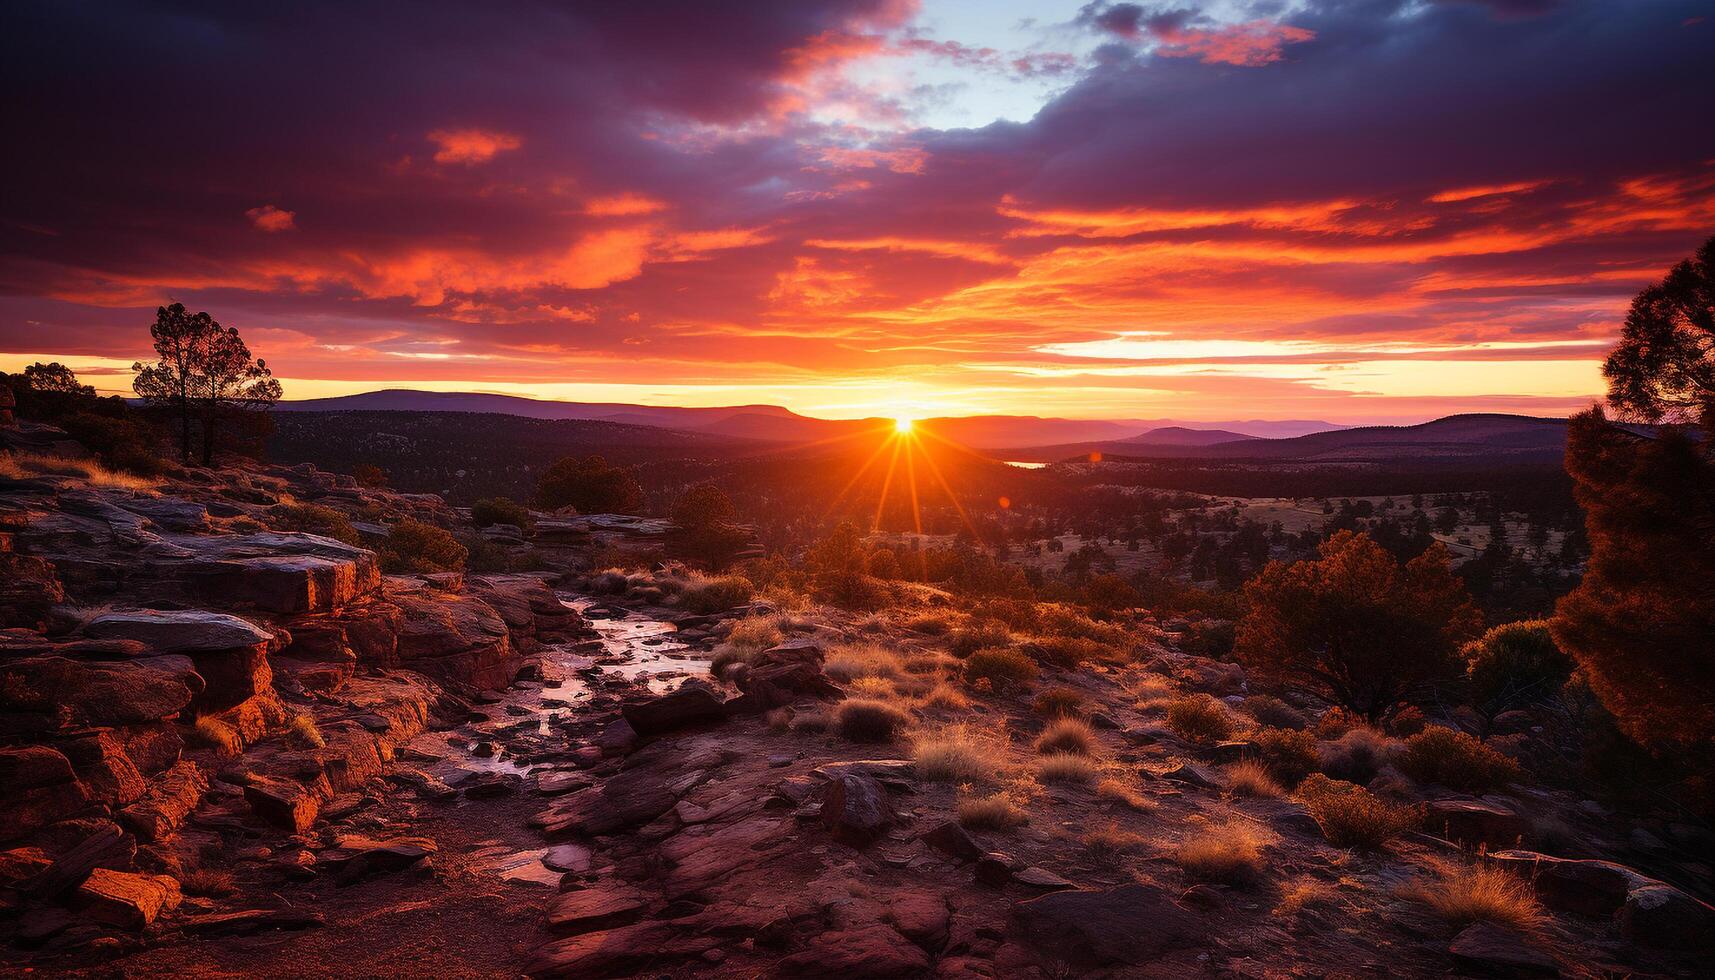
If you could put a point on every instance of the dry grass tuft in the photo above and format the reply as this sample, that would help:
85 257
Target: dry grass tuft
812 721
873 687
865 720
1229 852
1113 840
1304 893
1252 778
1120 791
996 811
1002 668
305 733
779 719
1070 736
1200 718
1463 894
1062 767
958 754
946 697
850 661
23 466
1058 702
208 883
212 733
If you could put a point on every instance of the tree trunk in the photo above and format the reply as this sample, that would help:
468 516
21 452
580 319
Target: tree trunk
208 439
184 432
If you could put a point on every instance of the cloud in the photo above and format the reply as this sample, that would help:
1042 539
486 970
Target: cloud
471 146
270 218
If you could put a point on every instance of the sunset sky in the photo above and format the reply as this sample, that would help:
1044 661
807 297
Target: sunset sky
1355 210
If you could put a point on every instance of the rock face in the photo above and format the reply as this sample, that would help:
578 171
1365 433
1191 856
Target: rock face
692 703
1488 950
1090 928
855 809
1473 822
40 789
129 901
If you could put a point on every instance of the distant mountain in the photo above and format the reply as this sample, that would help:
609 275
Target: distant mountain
1488 437
772 423
1178 435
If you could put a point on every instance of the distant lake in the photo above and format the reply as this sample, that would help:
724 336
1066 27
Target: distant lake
1023 465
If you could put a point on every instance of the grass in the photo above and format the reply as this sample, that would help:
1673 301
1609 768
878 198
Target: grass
212 733
946 697
1357 755
304 733
996 811
1068 736
957 754
1288 755
1352 816
705 595
1122 792
208 883
1302 894
1200 718
23 466
1001 668
1151 692
1229 852
850 661
1274 712
874 687
981 636
1463 894
1252 778
812 721
1064 768
1058 702
1113 840
866 720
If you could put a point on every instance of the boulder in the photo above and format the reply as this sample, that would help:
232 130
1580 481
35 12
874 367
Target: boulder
1489 950
107 772
692 703
617 952
855 809
48 694
1594 888
279 572
1658 914
457 639
872 950
951 839
1192 776
179 630
40 788
781 675
170 798
600 907
627 801
1090 928
129 901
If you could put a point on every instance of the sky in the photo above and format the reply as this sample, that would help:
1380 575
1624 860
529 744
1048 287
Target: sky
1352 210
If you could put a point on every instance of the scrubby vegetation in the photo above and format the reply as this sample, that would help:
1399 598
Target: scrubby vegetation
500 510
1352 816
414 546
1456 760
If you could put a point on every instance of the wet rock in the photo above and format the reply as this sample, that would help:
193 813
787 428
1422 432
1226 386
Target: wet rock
1488 950
951 839
692 703
1089 928
489 786
855 809
875 951
600 907
129 901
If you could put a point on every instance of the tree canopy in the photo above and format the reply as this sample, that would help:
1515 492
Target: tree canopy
1663 369
203 372
591 485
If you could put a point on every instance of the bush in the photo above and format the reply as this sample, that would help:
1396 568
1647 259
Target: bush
313 519
996 811
1228 852
1352 816
1357 755
982 636
1274 712
490 511
1067 652
1365 631
1463 894
865 720
1458 761
716 594
369 475
1516 665
1288 755
591 486
413 546
1200 718
1058 702
1002 668
1070 736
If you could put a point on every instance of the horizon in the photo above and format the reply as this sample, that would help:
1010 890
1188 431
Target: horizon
856 208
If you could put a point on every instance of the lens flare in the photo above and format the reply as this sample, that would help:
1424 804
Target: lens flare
902 426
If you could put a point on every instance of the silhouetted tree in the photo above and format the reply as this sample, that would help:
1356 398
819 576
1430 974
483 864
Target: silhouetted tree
591 485
204 372
1664 367
56 379
1356 626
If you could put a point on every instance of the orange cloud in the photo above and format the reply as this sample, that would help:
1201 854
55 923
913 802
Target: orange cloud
1471 193
623 205
270 218
1248 45
471 146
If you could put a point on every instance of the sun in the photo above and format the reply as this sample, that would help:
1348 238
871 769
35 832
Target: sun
902 425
